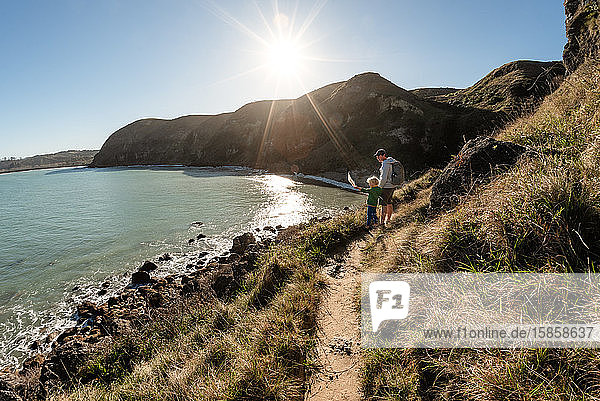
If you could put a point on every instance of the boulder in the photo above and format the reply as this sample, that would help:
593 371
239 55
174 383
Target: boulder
148 267
200 236
222 279
140 277
476 162
63 364
241 243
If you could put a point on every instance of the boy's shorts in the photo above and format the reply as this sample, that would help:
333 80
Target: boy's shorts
386 196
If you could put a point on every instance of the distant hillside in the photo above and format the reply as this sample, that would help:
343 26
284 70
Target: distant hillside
66 158
338 126
428 93
511 89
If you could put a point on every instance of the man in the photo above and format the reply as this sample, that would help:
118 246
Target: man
385 182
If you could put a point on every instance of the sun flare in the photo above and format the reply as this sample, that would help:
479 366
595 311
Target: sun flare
284 57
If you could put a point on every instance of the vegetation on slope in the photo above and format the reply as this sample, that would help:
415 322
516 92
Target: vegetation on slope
256 345
543 215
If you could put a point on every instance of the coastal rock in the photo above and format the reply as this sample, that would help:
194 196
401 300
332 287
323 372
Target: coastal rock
63 364
7 391
241 243
140 277
165 257
477 161
222 280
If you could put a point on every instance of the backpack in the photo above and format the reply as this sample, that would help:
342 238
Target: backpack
397 178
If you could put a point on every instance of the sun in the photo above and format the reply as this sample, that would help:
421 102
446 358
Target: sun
284 57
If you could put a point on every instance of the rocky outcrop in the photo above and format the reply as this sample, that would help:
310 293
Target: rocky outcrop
583 32
476 162
336 127
510 89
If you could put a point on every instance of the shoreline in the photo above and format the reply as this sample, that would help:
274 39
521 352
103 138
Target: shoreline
310 179
151 287
148 292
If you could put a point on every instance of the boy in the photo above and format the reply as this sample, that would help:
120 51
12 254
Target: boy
374 193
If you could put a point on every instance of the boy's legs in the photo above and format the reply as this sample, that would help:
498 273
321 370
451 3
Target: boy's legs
371 215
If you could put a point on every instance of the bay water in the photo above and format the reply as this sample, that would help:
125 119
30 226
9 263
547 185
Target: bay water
64 232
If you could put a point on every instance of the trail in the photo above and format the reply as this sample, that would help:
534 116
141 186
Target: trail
338 340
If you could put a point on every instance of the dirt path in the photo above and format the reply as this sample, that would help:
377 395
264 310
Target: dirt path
339 334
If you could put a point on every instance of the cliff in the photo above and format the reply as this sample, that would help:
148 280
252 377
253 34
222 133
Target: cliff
583 32
337 126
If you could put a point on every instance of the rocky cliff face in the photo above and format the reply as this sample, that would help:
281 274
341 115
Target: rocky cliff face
332 128
583 32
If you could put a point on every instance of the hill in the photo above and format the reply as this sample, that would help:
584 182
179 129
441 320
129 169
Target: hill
338 126
68 158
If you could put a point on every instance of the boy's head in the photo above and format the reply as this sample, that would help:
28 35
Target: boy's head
373 181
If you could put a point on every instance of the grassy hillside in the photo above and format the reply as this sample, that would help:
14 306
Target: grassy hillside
543 215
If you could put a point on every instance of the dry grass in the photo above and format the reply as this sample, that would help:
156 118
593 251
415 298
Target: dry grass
257 346
543 215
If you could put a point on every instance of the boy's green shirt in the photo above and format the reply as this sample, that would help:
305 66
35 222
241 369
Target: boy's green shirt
374 194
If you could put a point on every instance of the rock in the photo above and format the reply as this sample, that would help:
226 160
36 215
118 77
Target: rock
164 257
202 254
87 309
70 332
63 363
269 228
232 258
102 292
7 391
105 284
113 301
140 278
241 242
154 298
476 162
197 224
279 227
148 267
341 346
346 208
583 32
223 277
191 240
200 236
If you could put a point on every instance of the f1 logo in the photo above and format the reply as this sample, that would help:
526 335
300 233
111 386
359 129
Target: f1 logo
389 301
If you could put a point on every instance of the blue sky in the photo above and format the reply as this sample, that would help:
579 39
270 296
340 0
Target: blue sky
74 71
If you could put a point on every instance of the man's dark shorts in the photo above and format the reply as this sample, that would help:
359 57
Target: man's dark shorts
386 196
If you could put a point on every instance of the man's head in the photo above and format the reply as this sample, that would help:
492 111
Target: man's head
380 155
